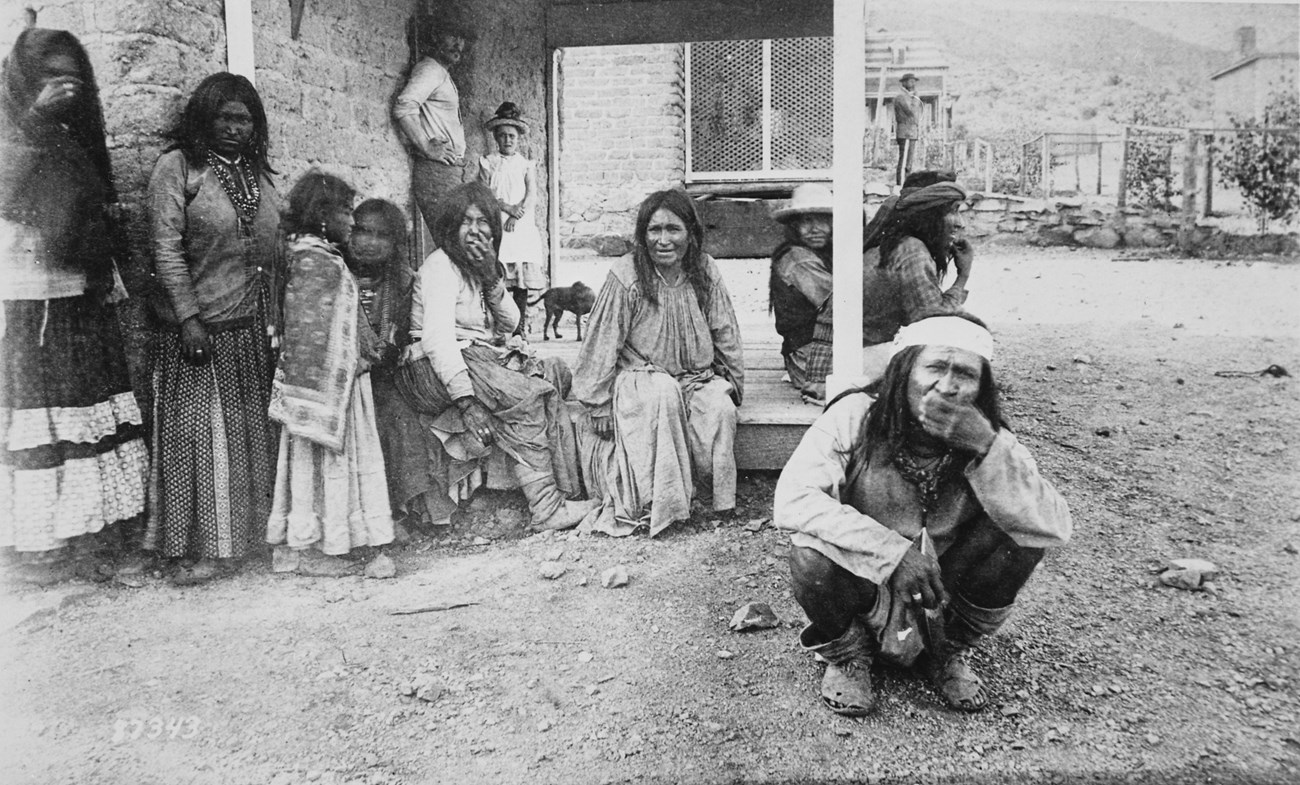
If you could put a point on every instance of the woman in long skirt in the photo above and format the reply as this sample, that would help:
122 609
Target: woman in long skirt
72 458
215 230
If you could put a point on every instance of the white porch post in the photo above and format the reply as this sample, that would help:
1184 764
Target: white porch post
239 38
850 125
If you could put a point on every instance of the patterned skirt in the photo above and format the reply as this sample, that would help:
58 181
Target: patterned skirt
214 447
73 456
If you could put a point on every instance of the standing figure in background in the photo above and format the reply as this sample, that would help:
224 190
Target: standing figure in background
907 125
331 495
215 224
799 287
427 111
72 455
512 178
661 373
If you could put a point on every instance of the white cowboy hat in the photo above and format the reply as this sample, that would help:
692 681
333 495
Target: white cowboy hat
807 198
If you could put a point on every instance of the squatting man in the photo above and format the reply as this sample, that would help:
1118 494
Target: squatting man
923 454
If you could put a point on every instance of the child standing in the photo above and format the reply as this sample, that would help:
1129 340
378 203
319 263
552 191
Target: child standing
510 176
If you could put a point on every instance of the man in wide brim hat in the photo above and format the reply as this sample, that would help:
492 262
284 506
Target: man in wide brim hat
799 287
907 124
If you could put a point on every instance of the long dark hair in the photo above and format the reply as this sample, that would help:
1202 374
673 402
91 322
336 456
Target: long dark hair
312 199
446 230
74 162
929 226
681 205
794 240
890 422
191 134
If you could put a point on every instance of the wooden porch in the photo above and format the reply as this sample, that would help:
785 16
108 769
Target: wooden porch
773 417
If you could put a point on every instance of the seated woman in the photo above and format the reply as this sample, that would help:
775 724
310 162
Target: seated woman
660 375
330 492
799 286
480 390
921 237
378 257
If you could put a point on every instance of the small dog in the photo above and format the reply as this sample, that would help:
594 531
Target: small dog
576 299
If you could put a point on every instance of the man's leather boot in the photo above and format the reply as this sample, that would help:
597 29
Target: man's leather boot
846 685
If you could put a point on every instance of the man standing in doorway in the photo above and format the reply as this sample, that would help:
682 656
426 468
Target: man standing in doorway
907 125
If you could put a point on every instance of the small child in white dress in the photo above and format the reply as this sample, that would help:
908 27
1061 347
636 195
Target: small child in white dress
510 176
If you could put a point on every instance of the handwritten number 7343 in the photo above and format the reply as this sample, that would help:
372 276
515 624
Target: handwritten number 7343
156 727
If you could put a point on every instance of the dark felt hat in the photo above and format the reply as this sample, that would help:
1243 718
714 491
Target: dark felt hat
508 114
907 76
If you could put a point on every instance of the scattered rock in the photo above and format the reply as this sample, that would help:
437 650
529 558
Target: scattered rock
615 577
1051 367
1011 710
756 525
129 581
550 570
723 654
381 568
1102 430
1189 574
1291 548
480 541
754 616
585 656
543 726
1082 359
284 560
429 692
554 554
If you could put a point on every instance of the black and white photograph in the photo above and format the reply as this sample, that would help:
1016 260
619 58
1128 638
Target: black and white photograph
649 392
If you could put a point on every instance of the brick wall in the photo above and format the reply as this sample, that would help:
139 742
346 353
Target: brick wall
621 137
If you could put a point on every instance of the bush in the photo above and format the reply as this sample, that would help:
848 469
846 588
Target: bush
1266 166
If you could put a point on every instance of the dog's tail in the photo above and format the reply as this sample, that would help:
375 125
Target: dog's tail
540 297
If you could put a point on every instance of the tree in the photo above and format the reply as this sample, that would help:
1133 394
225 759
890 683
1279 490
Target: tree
1266 166
1150 181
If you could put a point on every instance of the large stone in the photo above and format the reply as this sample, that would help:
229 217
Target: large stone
610 245
1098 237
753 616
1144 237
1054 235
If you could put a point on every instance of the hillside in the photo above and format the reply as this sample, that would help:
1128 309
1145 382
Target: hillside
1020 67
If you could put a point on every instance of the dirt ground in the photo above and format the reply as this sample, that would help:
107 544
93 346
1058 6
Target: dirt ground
1109 371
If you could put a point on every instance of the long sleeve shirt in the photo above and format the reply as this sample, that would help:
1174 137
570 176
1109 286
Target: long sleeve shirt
431 95
205 262
676 335
905 289
449 311
865 523
799 291
907 115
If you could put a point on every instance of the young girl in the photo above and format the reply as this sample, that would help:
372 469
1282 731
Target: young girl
331 494
510 176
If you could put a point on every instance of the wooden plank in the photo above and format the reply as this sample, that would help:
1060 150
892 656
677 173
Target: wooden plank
683 21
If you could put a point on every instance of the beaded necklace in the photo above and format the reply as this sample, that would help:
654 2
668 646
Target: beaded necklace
925 478
245 194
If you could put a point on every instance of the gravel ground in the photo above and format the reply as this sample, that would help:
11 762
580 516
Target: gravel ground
1104 675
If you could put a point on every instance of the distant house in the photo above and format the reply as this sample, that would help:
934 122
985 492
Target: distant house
760 111
1242 89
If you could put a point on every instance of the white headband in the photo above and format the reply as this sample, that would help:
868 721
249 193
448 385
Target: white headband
946 331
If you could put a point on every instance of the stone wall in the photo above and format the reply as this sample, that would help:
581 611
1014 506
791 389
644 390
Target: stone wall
1077 222
326 94
622 112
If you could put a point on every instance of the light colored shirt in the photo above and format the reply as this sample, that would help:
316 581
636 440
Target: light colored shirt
676 335
449 312
866 525
431 95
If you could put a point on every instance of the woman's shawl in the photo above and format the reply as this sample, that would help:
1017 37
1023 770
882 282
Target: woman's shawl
320 353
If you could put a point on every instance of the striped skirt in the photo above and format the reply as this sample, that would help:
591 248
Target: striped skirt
214 447
73 456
